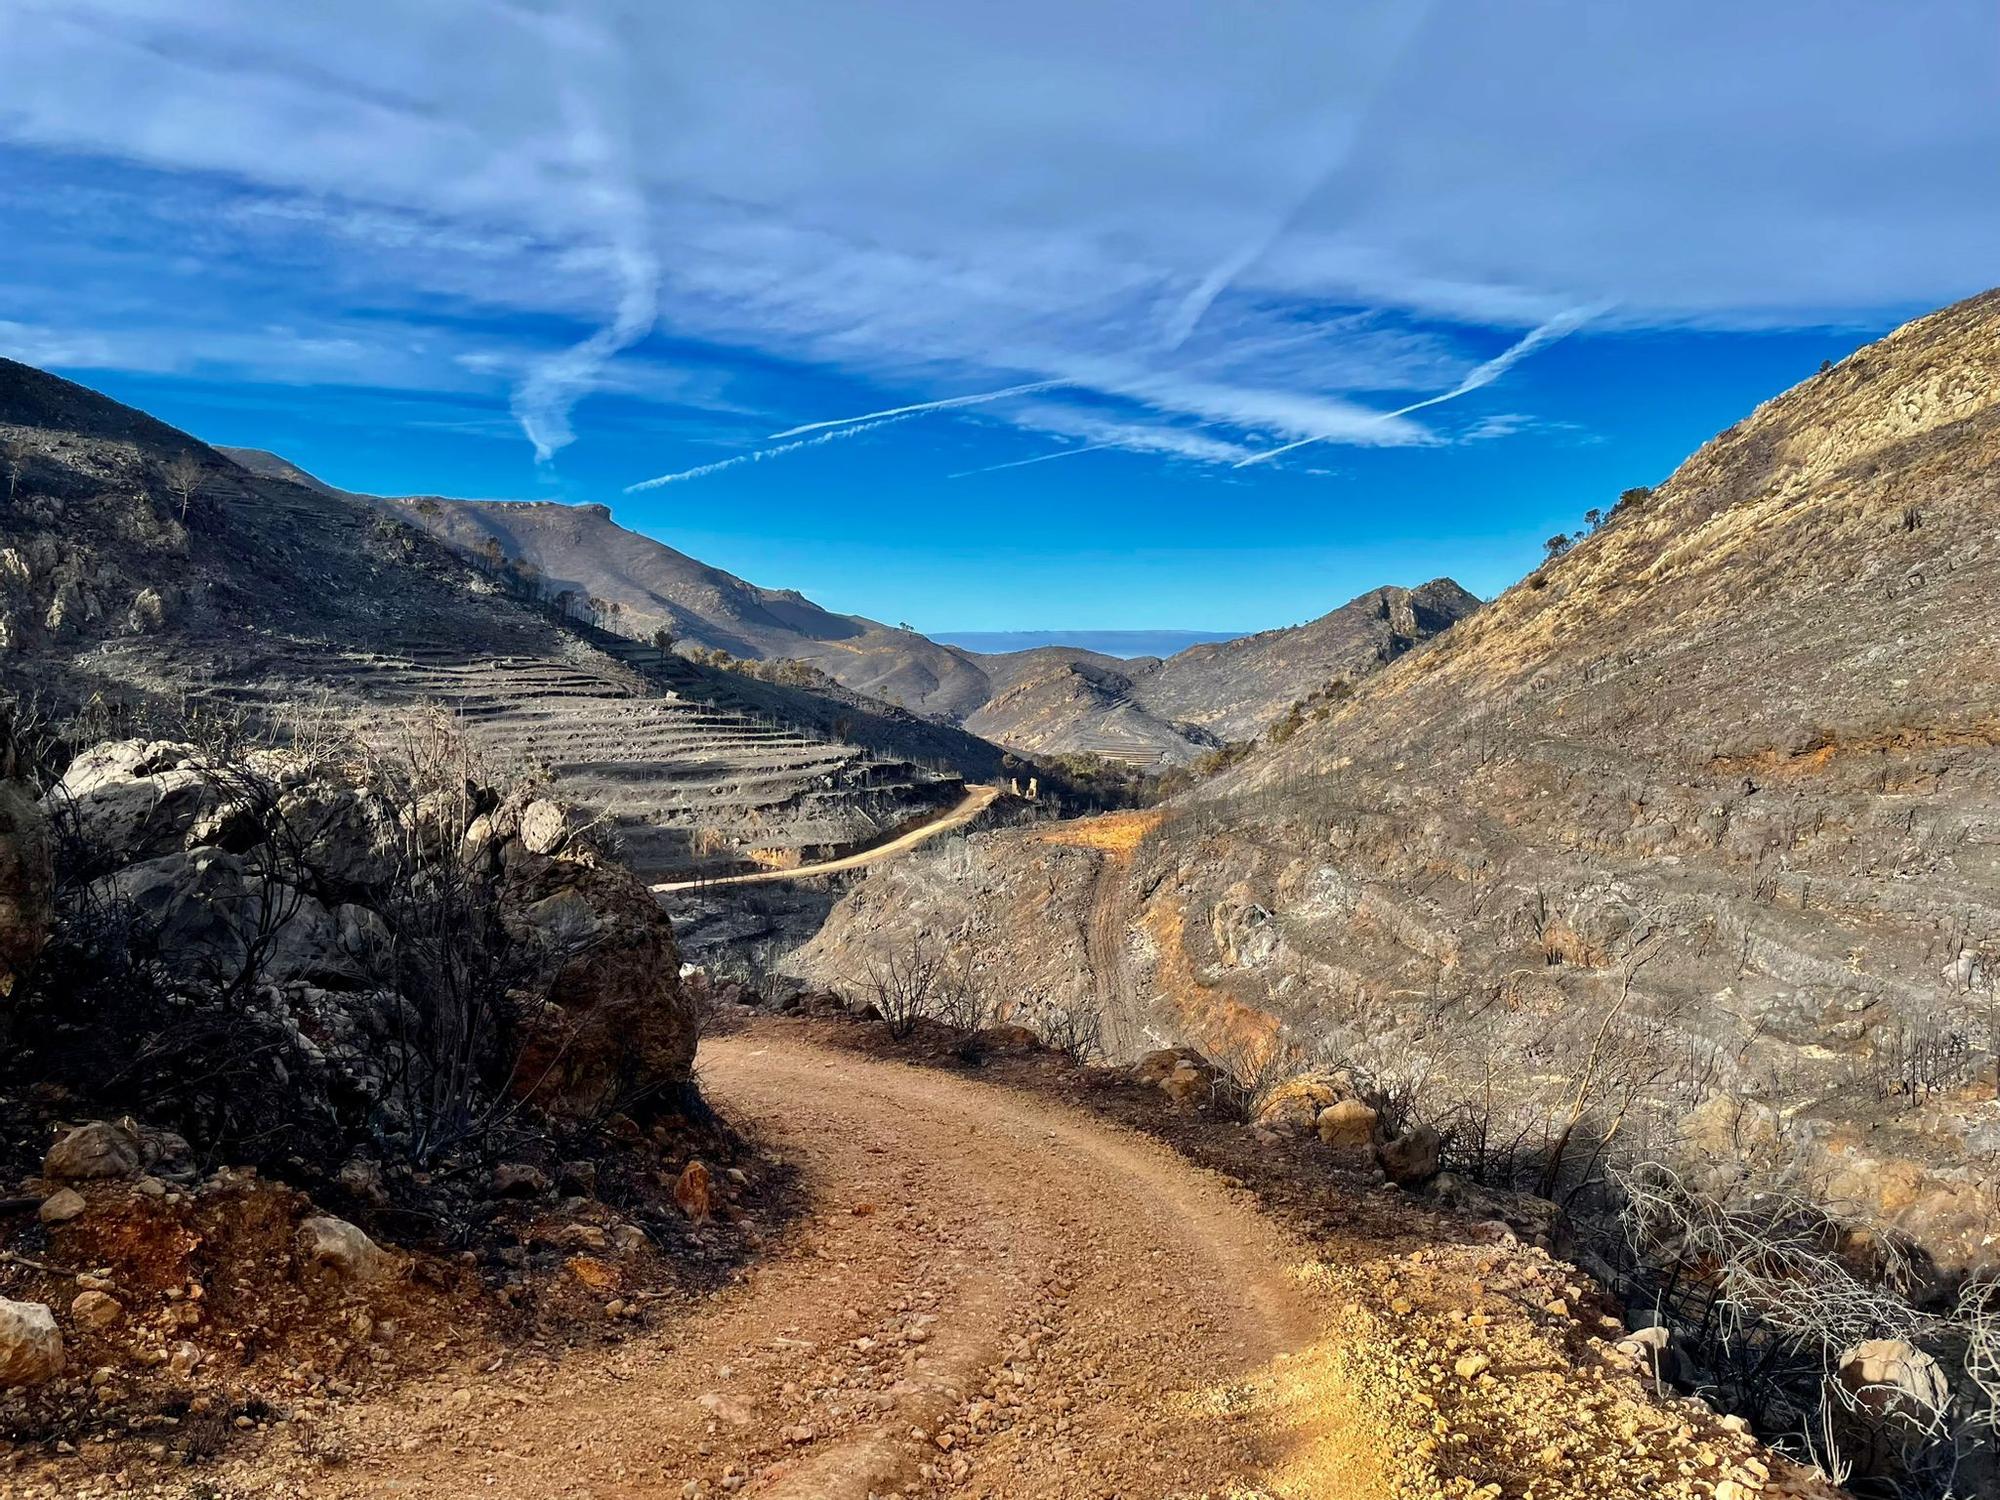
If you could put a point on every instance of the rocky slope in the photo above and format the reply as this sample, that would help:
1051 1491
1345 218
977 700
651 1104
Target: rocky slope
1699 826
145 577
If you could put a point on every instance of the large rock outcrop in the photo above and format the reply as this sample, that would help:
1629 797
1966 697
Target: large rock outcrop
376 939
615 1023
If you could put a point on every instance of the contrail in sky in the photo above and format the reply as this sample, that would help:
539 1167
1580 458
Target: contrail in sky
1039 458
1482 375
840 428
702 471
921 407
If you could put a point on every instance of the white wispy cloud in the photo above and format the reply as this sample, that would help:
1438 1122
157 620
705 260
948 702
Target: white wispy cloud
614 199
1270 230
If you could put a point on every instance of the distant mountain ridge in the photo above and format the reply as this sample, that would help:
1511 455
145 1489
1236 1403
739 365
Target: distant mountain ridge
1059 698
1126 644
1048 699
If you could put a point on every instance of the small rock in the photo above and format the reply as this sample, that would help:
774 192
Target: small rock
1652 1350
1897 1396
62 1206
1156 1067
1347 1125
96 1309
363 1178
1185 1084
724 1408
31 1346
1472 1366
543 826
516 1179
336 1247
185 1360
94 1152
592 1272
694 1191
1413 1156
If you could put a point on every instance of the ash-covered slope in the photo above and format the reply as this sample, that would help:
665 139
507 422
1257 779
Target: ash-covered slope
1814 581
141 570
1700 822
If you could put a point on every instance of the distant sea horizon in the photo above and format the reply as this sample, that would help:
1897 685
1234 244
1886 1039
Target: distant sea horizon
1127 643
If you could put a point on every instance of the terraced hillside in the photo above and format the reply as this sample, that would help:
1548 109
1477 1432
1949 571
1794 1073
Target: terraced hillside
263 595
687 784
653 586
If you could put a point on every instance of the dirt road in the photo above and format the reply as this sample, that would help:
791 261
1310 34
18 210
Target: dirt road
975 801
994 1296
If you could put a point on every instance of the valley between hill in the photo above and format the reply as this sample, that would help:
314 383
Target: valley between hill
1644 917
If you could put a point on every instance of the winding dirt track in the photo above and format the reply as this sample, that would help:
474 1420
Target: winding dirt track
994 1296
1114 836
975 801
1110 966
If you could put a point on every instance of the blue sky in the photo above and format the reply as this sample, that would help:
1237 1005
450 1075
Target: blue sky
1472 268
